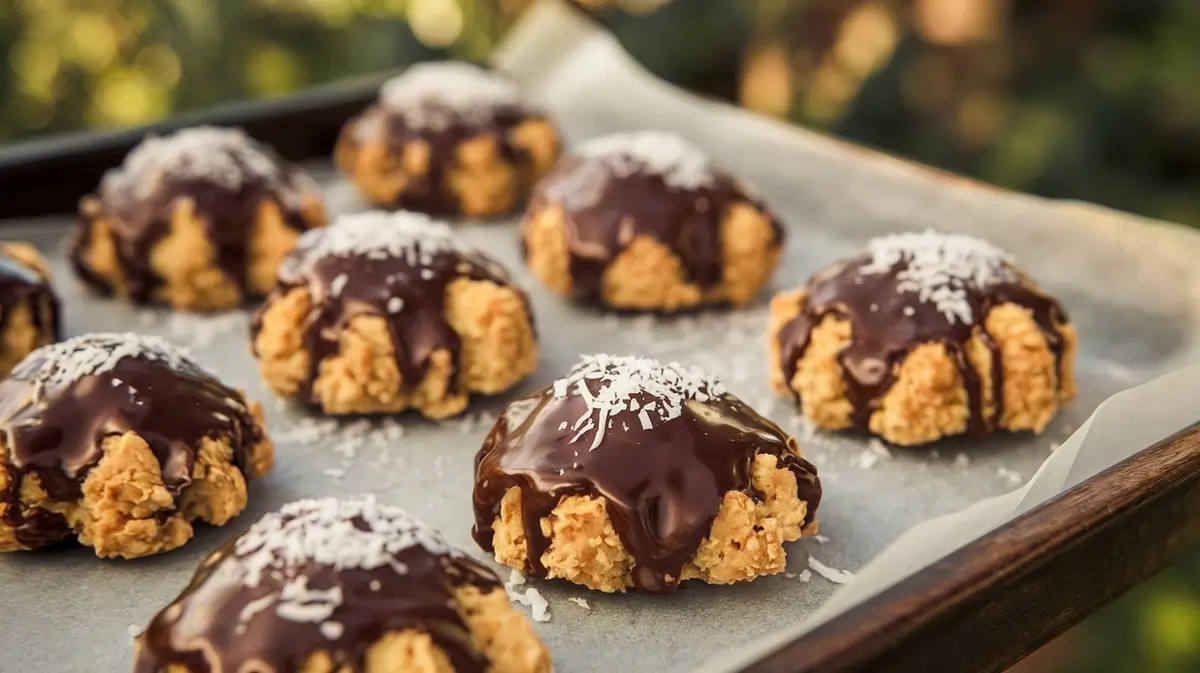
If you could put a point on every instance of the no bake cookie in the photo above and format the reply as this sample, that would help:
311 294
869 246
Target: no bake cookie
647 221
195 220
121 441
448 138
923 336
627 473
382 312
324 586
29 308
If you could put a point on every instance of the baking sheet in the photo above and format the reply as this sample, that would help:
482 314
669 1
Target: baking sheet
1136 315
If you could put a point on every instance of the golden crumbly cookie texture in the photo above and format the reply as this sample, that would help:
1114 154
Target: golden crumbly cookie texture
498 347
125 510
31 320
647 275
929 399
745 540
184 261
479 179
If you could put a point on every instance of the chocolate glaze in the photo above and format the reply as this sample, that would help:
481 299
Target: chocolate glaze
881 338
204 635
138 222
662 487
21 284
56 432
604 212
429 193
371 282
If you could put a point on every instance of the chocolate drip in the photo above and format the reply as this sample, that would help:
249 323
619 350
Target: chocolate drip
138 222
200 630
605 212
344 287
887 324
430 193
56 433
662 487
21 284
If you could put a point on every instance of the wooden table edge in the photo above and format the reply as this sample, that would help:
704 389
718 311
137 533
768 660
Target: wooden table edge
987 605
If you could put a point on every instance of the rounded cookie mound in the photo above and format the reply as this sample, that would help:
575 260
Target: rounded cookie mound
382 312
121 441
647 221
29 309
326 585
628 473
196 220
448 138
923 336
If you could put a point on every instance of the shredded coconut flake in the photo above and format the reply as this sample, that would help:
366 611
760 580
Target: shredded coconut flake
941 268
805 575
832 574
338 284
376 234
620 380
434 95
962 461
62 364
581 602
1011 476
395 305
680 164
324 532
226 157
134 631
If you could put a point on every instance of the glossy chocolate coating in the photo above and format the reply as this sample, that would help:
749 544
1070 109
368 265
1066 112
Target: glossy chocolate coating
138 221
203 628
429 192
56 432
604 212
21 284
887 323
367 284
662 487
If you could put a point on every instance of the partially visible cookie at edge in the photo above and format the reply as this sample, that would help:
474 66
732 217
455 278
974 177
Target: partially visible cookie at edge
923 336
449 138
197 219
121 442
630 474
29 308
382 312
326 585
647 221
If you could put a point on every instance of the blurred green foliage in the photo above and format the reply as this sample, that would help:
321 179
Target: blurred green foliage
1088 99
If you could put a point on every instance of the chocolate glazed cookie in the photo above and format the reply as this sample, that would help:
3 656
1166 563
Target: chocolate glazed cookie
382 312
647 221
121 441
327 585
448 138
629 473
29 308
923 336
198 220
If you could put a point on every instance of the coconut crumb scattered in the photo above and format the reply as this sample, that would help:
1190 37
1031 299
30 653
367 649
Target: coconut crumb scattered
962 461
435 95
581 602
805 575
679 163
1012 476
821 539
621 382
832 574
134 631
941 268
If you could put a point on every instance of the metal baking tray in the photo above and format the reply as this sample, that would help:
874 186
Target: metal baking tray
69 611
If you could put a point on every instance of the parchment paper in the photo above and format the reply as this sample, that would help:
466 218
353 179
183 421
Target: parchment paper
1129 285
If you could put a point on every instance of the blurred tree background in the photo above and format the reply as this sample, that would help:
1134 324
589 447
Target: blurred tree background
1088 99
